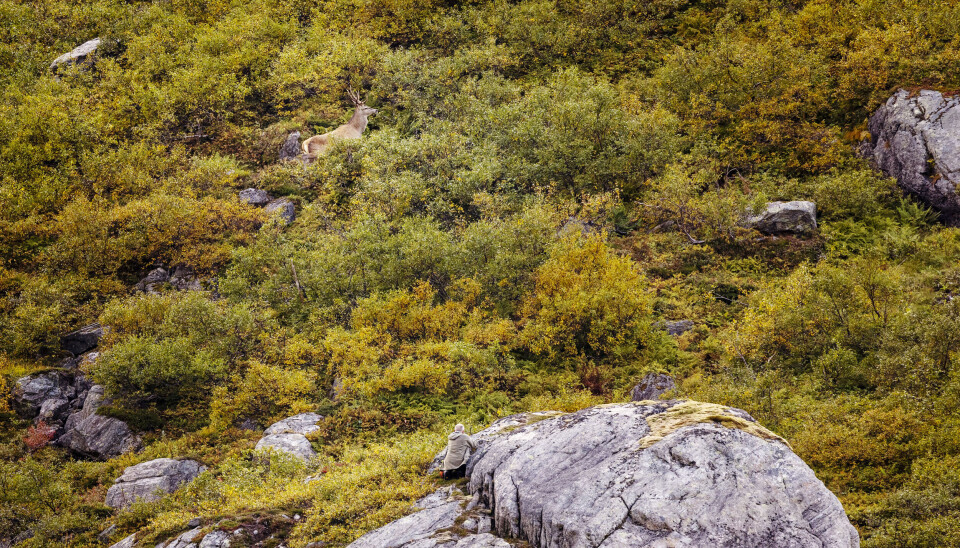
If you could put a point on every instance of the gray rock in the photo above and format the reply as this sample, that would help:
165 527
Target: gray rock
288 435
185 540
678 327
664 474
184 279
438 511
94 435
916 139
500 425
255 197
290 149
293 444
127 542
216 539
33 391
195 522
54 411
149 481
153 280
82 340
652 386
284 208
105 535
796 217
80 54
303 423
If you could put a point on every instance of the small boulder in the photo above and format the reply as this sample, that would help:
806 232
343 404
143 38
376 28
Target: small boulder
82 340
33 391
185 540
652 386
797 217
184 279
288 436
127 542
153 280
84 53
291 147
255 197
216 539
676 328
149 481
93 435
283 208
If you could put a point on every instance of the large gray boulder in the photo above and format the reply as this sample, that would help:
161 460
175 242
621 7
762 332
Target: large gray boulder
149 481
674 473
652 386
289 436
84 53
797 217
916 139
82 340
95 435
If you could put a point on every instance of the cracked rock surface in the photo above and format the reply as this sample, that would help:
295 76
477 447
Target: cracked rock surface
148 481
916 139
582 480
288 436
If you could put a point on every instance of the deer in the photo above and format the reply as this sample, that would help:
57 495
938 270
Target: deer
318 144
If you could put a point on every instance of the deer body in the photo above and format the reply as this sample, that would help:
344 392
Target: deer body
318 144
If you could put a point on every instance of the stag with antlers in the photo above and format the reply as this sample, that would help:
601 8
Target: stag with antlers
318 144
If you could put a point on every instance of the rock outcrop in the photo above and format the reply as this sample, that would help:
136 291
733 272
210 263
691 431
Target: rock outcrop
82 340
149 481
798 217
916 139
127 542
184 540
283 208
289 435
51 396
95 435
674 473
675 328
84 53
652 386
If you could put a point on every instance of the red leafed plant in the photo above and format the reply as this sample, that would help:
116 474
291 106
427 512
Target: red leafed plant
38 435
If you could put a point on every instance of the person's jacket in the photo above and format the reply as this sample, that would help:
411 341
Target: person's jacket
457 446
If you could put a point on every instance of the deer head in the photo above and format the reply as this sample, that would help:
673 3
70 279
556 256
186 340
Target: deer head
362 107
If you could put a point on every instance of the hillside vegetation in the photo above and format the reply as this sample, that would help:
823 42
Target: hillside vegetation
526 207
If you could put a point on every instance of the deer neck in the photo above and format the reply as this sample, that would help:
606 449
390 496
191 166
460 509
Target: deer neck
358 121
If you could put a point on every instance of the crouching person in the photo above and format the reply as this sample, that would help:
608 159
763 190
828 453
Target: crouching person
458 446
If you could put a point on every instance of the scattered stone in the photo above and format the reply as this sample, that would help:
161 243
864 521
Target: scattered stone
150 284
82 340
255 197
149 481
185 540
916 139
249 424
105 535
195 522
288 436
127 542
652 386
284 208
290 149
84 53
798 217
94 435
184 279
672 473
216 539
678 327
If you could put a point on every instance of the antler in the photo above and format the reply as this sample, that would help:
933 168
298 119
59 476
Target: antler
354 96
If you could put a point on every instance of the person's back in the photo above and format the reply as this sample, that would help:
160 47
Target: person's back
458 445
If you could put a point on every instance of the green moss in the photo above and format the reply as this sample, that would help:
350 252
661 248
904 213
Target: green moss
690 412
